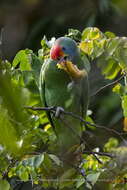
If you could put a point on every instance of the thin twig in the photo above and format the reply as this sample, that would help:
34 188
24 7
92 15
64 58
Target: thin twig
99 153
50 109
108 85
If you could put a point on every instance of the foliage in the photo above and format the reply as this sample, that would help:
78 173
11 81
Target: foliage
27 140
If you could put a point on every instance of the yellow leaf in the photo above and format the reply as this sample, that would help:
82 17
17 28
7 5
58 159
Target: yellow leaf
36 182
47 127
125 124
86 47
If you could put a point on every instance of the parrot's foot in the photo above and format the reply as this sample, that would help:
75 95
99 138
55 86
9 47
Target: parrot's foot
71 85
58 112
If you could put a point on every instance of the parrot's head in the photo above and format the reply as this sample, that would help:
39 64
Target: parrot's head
67 55
64 47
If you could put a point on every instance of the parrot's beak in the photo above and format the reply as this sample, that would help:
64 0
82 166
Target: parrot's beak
64 58
62 62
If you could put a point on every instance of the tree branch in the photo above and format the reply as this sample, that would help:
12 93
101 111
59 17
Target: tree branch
99 153
108 85
52 109
48 109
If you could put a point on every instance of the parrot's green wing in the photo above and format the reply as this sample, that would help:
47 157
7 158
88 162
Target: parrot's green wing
42 91
42 83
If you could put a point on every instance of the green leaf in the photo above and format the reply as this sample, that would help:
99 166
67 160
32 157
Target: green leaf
5 66
9 136
93 177
24 175
44 42
23 57
111 144
29 82
124 105
98 48
74 34
27 77
38 160
110 34
80 182
4 185
44 52
110 67
86 63
86 47
89 119
28 162
109 50
47 161
92 33
14 118
12 172
112 45
55 159
93 42
113 69
119 89
123 59
34 161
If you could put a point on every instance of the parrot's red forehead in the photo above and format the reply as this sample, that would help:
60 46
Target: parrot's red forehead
56 52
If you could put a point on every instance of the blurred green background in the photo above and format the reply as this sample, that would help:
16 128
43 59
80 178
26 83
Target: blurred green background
23 24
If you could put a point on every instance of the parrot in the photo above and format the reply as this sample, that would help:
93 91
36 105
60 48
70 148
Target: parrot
64 85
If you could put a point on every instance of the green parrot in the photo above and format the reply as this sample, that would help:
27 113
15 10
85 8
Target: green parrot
64 84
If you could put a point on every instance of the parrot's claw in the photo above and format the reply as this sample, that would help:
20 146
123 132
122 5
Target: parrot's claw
59 110
70 86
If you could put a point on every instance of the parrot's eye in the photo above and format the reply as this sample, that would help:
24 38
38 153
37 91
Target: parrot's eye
63 48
